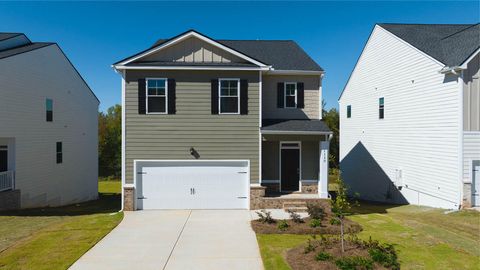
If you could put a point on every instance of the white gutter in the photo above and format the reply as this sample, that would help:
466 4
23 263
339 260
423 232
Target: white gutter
293 132
119 67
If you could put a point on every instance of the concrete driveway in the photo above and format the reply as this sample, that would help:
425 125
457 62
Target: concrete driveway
177 239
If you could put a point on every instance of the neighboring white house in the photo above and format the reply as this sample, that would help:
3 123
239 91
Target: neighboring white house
410 116
48 127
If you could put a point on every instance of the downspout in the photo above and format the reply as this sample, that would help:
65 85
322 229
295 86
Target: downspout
460 141
123 138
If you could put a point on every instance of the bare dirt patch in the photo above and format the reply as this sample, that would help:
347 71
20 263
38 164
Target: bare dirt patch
298 259
305 228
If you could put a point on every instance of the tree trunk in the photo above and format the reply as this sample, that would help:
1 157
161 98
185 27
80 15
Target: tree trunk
341 235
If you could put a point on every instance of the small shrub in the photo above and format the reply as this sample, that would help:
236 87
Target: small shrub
323 256
283 225
334 221
295 217
314 223
309 247
384 255
265 216
354 263
315 211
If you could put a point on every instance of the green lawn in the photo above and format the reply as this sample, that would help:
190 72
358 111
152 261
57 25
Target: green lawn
54 238
425 238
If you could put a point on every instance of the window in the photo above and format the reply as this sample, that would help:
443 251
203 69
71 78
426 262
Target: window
349 111
229 96
49 109
59 153
157 96
381 108
290 95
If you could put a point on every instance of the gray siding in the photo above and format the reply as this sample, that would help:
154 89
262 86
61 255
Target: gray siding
312 86
309 152
471 96
171 136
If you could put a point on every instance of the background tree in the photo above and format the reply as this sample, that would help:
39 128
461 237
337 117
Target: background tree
110 142
332 119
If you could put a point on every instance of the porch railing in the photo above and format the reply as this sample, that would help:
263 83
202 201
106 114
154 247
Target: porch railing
7 180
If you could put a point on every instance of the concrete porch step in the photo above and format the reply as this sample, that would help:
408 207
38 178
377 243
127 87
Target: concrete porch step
296 209
296 206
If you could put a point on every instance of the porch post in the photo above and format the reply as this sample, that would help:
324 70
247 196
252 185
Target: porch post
323 174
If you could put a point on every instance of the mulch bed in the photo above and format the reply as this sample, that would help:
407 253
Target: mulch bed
304 228
299 260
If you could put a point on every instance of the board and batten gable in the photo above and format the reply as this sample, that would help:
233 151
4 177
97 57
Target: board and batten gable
312 96
193 50
170 136
418 140
26 81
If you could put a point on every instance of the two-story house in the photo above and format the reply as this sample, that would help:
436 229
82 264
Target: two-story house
211 124
48 127
410 116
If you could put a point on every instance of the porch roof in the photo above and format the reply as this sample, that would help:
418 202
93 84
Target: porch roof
294 126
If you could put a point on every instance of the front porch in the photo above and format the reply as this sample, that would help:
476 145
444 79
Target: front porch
294 164
9 196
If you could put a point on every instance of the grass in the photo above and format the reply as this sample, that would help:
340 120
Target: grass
425 238
54 238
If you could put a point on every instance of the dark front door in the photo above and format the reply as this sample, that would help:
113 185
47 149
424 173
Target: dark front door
3 160
290 169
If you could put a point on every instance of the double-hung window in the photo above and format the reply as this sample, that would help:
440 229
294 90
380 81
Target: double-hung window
381 108
157 94
290 100
229 96
349 111
59 152
49 109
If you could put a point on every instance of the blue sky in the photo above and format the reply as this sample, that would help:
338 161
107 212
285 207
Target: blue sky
96 34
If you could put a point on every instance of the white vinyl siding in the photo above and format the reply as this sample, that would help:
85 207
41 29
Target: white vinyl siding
26 81
420 134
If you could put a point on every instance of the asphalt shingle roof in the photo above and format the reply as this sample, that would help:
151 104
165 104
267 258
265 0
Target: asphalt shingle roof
4 36
23 49
280 54
308 125
451 44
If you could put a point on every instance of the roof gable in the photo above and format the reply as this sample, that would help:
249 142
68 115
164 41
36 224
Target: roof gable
283 55
450 44
185 36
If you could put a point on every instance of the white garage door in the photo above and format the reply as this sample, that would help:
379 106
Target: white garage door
192 184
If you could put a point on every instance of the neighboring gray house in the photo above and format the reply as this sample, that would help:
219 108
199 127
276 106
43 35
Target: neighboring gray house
210 123
410 116
48 127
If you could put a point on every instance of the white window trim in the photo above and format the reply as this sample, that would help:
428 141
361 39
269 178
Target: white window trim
220 95
146 96
382 106
285 95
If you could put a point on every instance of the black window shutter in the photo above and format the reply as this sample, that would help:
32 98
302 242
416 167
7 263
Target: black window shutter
280 95
300 96
171 96
243 97
142 97
214 96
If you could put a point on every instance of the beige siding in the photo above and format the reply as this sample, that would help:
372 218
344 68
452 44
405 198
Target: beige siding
309 152
471 96
312 86
193 50
171 136
471 151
